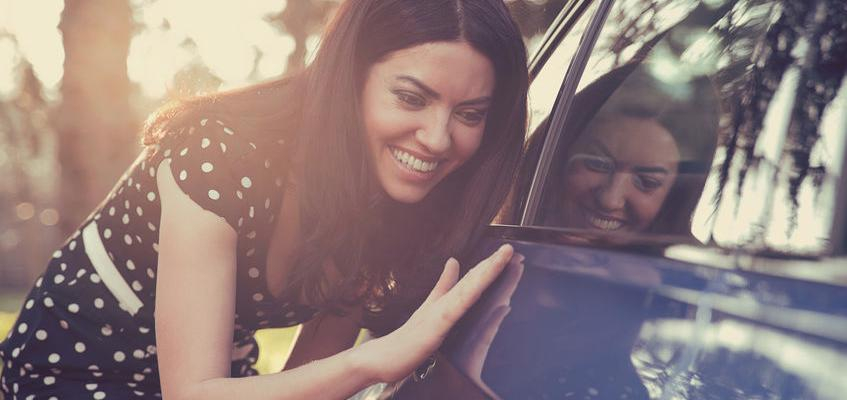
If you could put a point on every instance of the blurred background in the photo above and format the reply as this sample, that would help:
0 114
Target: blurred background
78 78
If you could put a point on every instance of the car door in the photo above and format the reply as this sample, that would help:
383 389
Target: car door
680 208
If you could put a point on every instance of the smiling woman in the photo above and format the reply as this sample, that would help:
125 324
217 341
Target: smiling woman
341 197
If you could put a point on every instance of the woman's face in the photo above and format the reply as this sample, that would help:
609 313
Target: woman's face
424 110
618 178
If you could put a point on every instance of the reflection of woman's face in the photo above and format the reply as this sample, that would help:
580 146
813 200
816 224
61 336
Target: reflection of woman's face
618 177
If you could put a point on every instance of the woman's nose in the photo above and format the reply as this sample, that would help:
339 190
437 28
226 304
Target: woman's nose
611 195
435 136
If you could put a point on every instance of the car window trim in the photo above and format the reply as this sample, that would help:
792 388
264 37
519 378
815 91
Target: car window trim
561 108
561 26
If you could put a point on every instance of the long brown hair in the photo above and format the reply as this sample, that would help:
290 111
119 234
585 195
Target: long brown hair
389 254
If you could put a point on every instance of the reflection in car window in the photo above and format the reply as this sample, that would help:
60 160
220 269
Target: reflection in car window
721 121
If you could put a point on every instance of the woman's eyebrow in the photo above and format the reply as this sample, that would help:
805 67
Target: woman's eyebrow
435 95
651 170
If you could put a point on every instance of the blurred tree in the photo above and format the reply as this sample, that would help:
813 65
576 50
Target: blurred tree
303 19
96 126
26 163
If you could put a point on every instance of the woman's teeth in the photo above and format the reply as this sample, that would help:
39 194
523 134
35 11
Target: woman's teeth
606 224
412 162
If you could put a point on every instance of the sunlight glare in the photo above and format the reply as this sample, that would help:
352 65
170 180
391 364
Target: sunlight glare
34 24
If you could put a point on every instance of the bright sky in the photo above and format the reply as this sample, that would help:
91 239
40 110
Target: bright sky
228 38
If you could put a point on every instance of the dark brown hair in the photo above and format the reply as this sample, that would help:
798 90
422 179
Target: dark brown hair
388 253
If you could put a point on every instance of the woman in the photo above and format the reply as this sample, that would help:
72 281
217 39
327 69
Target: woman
333 196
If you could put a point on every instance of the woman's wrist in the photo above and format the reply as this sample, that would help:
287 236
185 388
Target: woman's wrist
361 364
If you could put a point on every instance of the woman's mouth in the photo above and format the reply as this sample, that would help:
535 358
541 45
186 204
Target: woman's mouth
413 163
603 222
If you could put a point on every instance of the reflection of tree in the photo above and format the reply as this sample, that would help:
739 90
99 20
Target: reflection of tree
760 61
95 124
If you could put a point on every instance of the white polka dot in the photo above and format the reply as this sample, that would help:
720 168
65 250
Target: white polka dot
126 204
251 252
253 272
139 354
130 265
150 273
152 172
112 211
41 334
63 266
22 327
205 143
136 286
151 226
91 386
54 358
151 196
143 329
94 278
239 194
119 356
38 282
127 239
214 195
138 377
184 151
229 131
207 167
48 302
246 182
59 278
203 121
72 245
267 203
57 254
156 247
106 330
290 314
29 304
252 212
49 380
80 273
79 347
267 163
73 307
125 219
15 352
99 395
139 211
99 303
223 148
183 175
258 297
64 324
107 233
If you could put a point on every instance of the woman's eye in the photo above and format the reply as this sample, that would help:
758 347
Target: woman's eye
598 164
471 117
646 183
410 99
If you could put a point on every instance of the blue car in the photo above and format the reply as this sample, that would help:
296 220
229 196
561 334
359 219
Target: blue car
681 208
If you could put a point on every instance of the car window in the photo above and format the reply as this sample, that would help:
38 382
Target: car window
718 121
544 88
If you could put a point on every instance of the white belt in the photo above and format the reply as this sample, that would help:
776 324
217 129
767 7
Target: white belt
106 269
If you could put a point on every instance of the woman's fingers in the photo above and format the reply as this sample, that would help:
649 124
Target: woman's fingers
448 278
466 292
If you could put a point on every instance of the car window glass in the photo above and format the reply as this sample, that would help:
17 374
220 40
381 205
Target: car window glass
717 121
542 94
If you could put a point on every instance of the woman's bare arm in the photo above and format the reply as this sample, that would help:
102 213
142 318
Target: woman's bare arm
195 315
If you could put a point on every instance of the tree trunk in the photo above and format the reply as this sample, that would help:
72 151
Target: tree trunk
96 126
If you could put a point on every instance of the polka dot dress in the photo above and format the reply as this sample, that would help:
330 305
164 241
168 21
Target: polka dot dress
86 330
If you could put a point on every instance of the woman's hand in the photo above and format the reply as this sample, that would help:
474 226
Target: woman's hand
392 357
